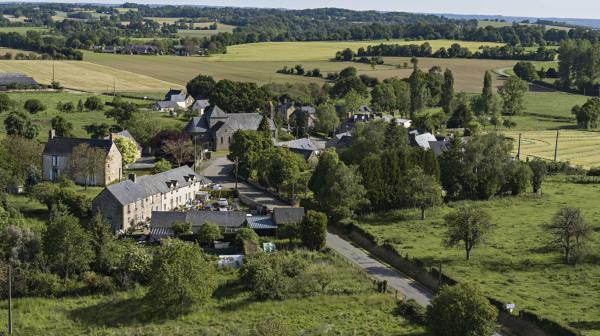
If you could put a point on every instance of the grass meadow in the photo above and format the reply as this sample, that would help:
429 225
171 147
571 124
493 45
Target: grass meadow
231 311
78 119
514 265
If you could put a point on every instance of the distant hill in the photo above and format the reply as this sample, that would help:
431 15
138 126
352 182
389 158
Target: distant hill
592 23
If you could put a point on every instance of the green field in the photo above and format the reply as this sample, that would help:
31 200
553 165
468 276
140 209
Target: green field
553 104
221 28
21 30
513 265
495 24
78 119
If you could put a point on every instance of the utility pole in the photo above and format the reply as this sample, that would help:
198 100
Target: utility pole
114 87
237 161
556 146
519 149
10 297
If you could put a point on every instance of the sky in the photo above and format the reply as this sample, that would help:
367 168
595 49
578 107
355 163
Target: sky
589 9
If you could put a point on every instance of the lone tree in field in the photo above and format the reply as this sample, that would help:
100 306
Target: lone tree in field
513 95
181 276
313 230
467 226
569 232
461 310
425 191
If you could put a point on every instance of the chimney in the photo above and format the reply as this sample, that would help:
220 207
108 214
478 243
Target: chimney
51 134
132 177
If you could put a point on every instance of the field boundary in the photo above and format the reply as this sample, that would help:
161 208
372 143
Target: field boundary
524 324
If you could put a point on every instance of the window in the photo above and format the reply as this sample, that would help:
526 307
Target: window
54 174
128 208
54 160
221 139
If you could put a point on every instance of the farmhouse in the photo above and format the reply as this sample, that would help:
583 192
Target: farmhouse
309 114
132 201
214 129
57 163
140 49
174 100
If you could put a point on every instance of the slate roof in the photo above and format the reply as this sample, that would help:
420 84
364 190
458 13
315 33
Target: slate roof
288 215
421 139
439 147
261 222
224 219
302 146
201 104
8 78
168 104
214 118
64 146
173 92
340 140
127 191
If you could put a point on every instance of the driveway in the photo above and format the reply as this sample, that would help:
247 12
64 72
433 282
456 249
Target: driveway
218 170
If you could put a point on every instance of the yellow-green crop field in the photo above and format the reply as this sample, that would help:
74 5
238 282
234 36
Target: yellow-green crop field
577 147
86 76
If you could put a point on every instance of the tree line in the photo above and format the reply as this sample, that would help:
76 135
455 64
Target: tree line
455 51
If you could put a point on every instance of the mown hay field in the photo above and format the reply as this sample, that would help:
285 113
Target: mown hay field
576 146
86 76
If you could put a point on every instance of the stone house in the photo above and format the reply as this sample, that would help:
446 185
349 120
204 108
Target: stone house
214 129
174 100
131 202
57 163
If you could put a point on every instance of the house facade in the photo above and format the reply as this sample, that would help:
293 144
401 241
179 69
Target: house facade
131 202
174 100
57 160
214 129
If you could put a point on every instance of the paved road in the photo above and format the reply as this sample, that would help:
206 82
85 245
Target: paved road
396 280
218 170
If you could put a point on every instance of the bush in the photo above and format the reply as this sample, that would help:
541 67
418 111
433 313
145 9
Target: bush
94 103
161 166
35 283
34 106
96 283
412 311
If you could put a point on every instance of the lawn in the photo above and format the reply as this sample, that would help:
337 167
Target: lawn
577 147
513 265
78 119
231 311
553 104
86 76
